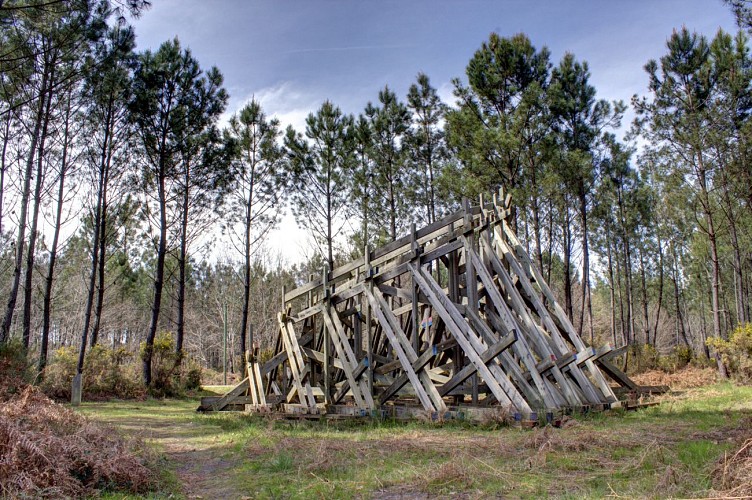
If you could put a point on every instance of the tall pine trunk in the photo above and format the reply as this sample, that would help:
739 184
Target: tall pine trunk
95 240
49 279
660 290
36 206
244 331
159 271
21 236
182 263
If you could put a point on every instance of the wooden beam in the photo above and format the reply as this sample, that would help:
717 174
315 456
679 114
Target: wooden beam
407 357
488 355
467 339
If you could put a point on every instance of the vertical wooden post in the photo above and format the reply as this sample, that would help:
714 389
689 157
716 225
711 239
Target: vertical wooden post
471 280
313 368
369 331
250 347
357 325
76 390
415 320
224 342
327 337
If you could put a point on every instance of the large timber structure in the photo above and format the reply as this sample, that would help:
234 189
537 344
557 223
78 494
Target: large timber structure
450 321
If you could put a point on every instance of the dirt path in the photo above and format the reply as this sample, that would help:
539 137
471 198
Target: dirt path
202 463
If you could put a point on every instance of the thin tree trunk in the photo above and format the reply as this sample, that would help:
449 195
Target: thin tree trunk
644 289
37 201
677 299
21 237
95 243
612 296
585 267
715 278
49 280
159 272
182 263
247 270
102 260
536 216
3 167
567 266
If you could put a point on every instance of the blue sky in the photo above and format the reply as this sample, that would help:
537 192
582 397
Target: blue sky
294 54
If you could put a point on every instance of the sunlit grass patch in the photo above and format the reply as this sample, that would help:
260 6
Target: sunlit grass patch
667 450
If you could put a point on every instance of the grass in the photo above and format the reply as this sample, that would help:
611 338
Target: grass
666 450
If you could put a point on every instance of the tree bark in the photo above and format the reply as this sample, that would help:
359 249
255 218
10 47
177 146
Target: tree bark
660 290
159 271
37 201
49 279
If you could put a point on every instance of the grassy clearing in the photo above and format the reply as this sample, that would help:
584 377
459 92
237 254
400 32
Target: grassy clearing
668 450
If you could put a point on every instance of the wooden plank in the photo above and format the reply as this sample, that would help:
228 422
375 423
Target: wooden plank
400 381
296 362
544 350
412 356
252 386
614 352
379 256
407 357
345 386
584 383
510 366
273 363
235 392
558 311
281 357
468 370
349 362
462 333
318 357
616 374
259 384
510 324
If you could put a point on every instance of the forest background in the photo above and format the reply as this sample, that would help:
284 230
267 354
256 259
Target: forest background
118 184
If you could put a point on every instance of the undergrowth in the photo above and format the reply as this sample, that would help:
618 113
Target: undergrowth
49 451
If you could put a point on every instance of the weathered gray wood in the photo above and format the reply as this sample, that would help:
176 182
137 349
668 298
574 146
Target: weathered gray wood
521 347
349 362
233 393
616 374
355 388
318 357
510 366
534 335
468 370
296 362
558 311
400 381
76 389
584 383
412 356
492 293
467 339
406 361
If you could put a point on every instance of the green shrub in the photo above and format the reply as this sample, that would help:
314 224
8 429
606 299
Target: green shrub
108 373
192 380
58 375
679 357
642 357
736 352
171 374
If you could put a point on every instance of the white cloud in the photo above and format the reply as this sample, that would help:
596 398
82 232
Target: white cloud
286 101
446 93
